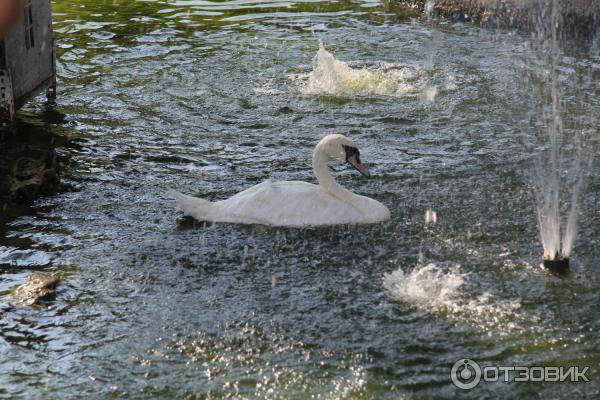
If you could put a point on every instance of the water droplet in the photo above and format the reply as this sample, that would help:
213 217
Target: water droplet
430 217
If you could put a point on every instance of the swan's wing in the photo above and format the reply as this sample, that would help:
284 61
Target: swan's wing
286 203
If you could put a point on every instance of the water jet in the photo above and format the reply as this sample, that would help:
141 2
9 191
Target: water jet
559 171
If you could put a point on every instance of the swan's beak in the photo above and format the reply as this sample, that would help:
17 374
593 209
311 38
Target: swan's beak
355 161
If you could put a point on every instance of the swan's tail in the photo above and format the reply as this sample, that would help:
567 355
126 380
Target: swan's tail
195 207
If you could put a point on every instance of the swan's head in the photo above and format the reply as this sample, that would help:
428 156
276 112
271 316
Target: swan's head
339 147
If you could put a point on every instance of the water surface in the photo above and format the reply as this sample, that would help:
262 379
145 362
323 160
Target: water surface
208 98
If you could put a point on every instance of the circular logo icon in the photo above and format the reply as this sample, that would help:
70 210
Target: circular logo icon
465 374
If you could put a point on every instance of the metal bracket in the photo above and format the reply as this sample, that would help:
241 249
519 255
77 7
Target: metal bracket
7 101
51 91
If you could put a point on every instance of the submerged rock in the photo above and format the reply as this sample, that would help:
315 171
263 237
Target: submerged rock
39 286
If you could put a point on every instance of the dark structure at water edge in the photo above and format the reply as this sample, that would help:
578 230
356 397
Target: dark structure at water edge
27 59
28 160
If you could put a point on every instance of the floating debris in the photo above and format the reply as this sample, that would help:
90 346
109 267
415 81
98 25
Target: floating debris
39 286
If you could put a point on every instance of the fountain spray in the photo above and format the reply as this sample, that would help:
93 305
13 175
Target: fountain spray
547 177
554 258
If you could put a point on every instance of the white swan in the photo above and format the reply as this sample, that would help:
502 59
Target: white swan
295 203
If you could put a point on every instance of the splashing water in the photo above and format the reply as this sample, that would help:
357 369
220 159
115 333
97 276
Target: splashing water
429 93
439 290
427 285
333 77
429 8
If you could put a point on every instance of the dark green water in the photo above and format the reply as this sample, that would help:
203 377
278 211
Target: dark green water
198 96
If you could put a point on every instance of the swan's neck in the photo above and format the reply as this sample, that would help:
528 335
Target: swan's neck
321 169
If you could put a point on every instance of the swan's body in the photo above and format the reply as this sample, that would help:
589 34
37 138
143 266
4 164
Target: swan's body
295 203
287 203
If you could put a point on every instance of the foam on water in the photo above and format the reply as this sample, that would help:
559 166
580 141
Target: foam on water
333 77
446 291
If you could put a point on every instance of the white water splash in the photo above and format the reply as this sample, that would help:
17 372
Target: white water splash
446 291
333 77
429 9
429 93
428 286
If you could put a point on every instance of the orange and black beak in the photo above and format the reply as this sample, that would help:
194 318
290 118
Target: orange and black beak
353 158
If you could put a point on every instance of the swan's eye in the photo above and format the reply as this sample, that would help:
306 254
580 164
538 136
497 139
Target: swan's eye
352 151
